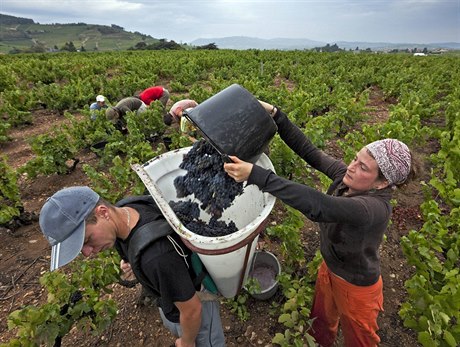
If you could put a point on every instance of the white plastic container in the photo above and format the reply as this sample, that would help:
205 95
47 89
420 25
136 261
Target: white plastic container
227 258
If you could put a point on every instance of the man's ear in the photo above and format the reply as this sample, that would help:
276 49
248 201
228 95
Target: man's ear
102 212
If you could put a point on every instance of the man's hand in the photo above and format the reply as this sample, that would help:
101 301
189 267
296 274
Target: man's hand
128 274
238 170
190 321
180 343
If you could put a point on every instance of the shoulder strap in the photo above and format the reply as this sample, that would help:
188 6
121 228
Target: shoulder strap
144 235
142 239
146 199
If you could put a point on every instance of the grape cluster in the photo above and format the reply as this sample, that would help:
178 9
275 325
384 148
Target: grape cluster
76 297
188 212
207 179
213 228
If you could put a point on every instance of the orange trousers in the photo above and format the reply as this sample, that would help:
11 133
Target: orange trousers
355 307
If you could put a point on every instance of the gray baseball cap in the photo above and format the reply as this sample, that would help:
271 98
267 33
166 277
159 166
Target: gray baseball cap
62 221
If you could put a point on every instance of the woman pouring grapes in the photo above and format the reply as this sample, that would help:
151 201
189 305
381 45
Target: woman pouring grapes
353 216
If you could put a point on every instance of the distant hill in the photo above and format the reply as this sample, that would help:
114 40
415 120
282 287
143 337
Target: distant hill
243 42
8 20
24 33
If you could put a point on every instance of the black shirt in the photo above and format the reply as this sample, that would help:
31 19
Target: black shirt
167 271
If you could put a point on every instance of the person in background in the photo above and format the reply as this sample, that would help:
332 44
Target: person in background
353 216
116 113
154 93
77 219
175 113
174 116
97 106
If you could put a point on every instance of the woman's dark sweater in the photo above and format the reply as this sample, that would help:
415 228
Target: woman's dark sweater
352 226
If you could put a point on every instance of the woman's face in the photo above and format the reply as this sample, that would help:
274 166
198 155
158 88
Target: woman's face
362 173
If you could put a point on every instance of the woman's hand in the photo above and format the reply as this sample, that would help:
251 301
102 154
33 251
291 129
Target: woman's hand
271 110
238 170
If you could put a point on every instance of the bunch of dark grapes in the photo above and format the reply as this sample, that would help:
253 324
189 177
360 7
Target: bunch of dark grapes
207 179
188 212
211 185
213 228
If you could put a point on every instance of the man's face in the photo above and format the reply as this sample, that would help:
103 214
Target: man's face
101 235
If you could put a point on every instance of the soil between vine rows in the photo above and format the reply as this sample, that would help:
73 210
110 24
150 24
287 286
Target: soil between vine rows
24 257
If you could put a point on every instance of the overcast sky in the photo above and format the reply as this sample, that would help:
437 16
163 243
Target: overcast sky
398 21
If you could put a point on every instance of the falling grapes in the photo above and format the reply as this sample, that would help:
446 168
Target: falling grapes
207 180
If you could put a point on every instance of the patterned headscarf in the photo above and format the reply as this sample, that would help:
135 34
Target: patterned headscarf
393 158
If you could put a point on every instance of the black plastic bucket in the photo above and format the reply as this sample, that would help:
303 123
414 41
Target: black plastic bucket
234 122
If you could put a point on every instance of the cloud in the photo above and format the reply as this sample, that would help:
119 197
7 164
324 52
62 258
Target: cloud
323 20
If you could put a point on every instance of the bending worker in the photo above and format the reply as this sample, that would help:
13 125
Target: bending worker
77 219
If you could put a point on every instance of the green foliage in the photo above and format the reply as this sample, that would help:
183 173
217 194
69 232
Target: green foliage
179 139
117 183
4 126
252 285
433 307
7 78
69 46
323 94
95 37
15 105
298 291
200 94
42 325
295 312
134 144
86 133
52 154
285 161
445 176
289 234
238 306
10 197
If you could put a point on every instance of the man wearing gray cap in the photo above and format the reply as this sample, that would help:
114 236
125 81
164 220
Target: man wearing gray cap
77 219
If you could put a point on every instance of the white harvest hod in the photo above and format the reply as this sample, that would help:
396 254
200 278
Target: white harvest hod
225 257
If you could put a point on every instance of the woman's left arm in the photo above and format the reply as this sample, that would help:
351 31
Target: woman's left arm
315 205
